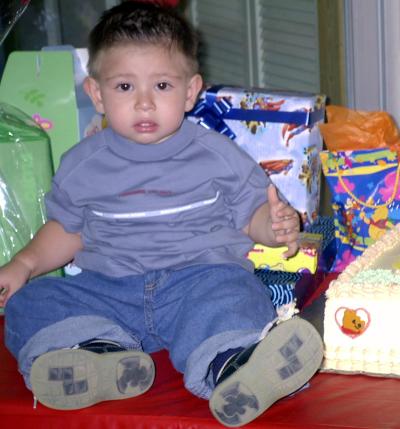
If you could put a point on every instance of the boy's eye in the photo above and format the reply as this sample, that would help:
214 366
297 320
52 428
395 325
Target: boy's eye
124 86
163 85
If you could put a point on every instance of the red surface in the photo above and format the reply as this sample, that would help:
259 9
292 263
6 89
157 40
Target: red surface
325 280
332 401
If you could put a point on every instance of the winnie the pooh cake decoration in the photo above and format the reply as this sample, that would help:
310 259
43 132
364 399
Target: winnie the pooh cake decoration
352 322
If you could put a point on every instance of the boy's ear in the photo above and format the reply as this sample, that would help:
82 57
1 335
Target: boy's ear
92 89
194 87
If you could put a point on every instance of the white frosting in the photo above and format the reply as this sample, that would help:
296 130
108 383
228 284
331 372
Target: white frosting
362 312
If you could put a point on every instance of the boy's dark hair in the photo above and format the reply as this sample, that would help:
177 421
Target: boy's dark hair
143 22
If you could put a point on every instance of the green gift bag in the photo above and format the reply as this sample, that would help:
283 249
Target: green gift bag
41 84
25 177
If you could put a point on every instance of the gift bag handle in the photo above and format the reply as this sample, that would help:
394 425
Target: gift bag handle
364 203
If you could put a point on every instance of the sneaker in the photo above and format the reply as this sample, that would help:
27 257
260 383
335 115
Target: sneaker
97 371
277 366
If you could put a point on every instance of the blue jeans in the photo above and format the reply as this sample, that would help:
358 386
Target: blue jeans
194 313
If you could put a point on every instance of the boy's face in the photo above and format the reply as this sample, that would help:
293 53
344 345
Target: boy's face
144 91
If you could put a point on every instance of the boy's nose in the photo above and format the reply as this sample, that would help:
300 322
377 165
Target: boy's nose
144 101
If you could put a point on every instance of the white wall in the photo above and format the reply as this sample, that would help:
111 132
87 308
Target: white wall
372 43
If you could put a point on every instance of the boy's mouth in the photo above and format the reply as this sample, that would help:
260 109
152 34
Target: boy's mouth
145 127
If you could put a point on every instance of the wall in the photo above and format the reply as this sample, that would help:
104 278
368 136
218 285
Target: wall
373 55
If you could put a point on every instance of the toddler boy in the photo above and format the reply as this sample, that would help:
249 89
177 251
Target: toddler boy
159 214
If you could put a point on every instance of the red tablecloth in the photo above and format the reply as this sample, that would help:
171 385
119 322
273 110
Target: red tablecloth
332 401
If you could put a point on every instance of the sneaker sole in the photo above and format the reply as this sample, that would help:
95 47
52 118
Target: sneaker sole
74 379
282 363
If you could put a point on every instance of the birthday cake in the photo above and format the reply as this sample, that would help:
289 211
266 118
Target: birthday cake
362 313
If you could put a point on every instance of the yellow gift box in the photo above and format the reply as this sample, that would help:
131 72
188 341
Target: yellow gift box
305 260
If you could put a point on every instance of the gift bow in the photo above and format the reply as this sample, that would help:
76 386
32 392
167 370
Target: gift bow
213 110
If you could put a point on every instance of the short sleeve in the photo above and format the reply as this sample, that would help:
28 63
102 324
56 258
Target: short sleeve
60 208
245 188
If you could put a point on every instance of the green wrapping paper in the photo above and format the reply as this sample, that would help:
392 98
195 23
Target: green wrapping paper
25 177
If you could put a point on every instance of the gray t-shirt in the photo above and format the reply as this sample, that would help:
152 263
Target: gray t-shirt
143 207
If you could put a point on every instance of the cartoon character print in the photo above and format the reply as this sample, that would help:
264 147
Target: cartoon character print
384 216
259 103
378 222
348 214
291 130
352 322
309 168
381 218
375 221
276 166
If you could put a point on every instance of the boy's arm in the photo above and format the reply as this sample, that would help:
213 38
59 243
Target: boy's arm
275 223
51 248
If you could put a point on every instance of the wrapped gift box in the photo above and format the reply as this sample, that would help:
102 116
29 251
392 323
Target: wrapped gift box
284 287
279 130
305 260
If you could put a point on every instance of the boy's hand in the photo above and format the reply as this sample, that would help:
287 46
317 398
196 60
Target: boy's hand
12 277
285 222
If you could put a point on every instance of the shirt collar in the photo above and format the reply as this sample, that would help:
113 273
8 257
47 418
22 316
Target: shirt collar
151 152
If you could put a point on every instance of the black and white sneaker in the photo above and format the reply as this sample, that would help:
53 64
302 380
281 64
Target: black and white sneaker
92 372
277 366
